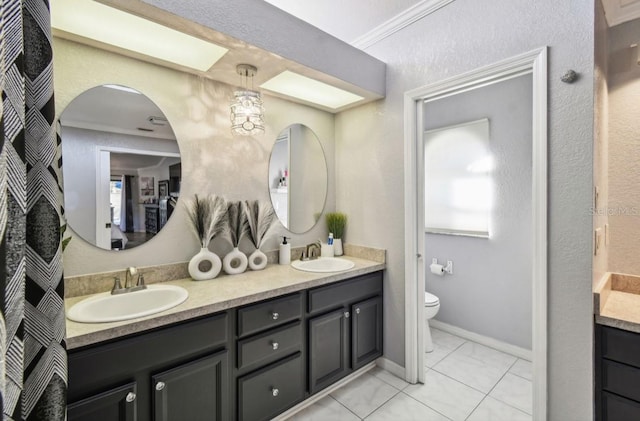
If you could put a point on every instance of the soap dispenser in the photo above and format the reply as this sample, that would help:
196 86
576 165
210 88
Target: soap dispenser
285 252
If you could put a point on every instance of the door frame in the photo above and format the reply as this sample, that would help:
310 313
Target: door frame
534 63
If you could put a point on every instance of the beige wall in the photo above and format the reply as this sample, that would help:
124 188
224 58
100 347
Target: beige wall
601 139
624 148
214 161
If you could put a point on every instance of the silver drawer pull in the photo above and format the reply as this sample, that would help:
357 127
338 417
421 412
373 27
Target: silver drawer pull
346 314
275 315
275 392
358 310
160 385
131 397
275 346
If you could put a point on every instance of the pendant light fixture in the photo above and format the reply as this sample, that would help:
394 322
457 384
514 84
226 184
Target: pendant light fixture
247 112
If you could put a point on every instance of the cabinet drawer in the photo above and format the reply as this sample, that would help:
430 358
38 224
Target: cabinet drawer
272 390
268 314
621 379
332 296
269 346
615 408
620 345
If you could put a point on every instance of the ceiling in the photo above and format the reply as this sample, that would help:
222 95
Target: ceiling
345 20
180 17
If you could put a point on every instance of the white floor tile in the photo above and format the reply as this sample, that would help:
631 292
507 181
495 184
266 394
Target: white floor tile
515 391
326 408
365 394
445 395
387 377
494 410
434 357
476 365
523 369
405 408
446 339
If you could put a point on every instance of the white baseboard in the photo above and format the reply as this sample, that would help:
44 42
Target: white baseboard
315 398
393 368
514 350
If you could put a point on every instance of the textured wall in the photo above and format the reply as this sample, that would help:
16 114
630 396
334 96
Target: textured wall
370 165
624 148
214 161
601 140
489 291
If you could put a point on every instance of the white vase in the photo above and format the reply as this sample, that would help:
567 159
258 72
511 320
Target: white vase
257 260
202 259
234 262
337 247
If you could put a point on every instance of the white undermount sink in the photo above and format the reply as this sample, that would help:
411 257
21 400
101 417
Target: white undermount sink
105 307
323 264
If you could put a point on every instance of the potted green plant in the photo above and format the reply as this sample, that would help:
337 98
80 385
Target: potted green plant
336 223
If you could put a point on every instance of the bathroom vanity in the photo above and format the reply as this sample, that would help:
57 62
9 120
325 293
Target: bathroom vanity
228 353
617 348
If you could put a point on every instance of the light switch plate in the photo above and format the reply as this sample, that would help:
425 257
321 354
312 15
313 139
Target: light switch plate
596 241
606 234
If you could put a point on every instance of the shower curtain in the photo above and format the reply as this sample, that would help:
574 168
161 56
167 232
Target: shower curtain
33 371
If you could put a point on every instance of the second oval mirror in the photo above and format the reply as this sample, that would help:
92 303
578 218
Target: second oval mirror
298 178
121 167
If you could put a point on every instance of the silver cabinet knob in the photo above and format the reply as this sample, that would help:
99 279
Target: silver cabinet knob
275 392
358 310
275 346
346 314
131 397
160 385
275 315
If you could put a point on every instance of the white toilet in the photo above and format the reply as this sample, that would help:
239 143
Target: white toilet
431 307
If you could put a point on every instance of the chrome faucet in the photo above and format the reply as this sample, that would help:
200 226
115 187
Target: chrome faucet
308 252
128 282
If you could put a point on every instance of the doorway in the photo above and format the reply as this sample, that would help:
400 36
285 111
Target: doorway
534 64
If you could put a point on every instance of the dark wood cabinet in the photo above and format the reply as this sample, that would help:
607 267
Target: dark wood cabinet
151 219
117 404
617 374
328 349
193 391
366 331
348 337
249 363
189 359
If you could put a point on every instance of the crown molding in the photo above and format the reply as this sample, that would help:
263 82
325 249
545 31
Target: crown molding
398 22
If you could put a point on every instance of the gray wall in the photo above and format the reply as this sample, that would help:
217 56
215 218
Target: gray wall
460 37
490 290
624 148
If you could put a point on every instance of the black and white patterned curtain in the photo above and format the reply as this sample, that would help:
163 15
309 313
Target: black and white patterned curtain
33 373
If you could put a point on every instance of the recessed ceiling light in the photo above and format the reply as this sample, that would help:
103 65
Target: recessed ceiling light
307 89
96 21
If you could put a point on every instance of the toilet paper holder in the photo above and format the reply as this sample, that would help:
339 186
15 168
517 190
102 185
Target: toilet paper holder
441 269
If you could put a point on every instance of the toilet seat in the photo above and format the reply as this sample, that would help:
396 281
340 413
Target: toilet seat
430 300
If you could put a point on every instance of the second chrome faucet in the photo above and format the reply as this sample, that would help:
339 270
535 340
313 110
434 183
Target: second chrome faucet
128 282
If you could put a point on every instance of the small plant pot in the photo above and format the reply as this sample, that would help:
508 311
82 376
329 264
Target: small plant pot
204 265
257 260
235 262
337 247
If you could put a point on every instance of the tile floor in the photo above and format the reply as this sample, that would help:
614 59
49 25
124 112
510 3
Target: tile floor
464 381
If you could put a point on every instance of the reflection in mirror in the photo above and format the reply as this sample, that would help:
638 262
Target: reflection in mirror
298 178
121 167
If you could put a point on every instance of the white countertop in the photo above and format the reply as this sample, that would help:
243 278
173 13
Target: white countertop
208 297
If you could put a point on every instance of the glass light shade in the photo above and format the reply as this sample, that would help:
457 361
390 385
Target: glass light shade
247 113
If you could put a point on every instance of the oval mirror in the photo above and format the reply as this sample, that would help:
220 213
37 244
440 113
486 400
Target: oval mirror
121 167
298 178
